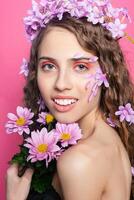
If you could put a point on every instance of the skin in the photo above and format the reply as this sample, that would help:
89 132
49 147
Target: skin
18 187
98 167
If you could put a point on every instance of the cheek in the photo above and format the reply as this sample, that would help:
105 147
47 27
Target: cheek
83 91
42 85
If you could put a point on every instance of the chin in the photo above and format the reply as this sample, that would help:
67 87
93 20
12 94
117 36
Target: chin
65 120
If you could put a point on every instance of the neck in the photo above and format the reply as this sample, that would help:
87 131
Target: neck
88 123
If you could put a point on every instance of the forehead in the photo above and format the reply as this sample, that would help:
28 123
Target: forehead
60 43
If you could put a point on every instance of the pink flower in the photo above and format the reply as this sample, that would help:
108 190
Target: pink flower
95 81
24 67
96 11
45 118
126 113
93 59
101 2
41 104
68 134
110 122
20 122
132 170
116 28
78 55
42 146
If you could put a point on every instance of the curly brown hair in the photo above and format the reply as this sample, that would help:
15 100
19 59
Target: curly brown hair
97 39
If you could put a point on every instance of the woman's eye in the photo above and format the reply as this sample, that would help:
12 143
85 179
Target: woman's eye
81 67
47 67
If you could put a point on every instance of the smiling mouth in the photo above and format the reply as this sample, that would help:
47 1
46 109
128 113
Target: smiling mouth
64 102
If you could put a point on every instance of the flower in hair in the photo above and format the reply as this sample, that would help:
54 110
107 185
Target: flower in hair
95 81
45 118
41 104
42 145
93 59
126 113
111 122
116 28
68 134
96 11
20 122
24 68
132 170
96 16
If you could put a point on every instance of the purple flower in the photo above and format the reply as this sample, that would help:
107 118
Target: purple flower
112 12
132 170
110 122
41 104
20 122
93 59
96 11
124 12
126 113
32 26
101 78
101 2
78 55
42 145
95 81
68 134
116 28
24 67
96 16
45 118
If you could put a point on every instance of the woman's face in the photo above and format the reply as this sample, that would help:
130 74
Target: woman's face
62 67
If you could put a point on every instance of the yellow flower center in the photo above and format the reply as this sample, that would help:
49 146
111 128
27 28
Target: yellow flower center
21 121
49 118
42 148
65 136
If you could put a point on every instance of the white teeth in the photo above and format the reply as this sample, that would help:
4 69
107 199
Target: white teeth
65 101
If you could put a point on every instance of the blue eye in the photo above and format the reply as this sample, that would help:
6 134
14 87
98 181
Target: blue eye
81 67
47 66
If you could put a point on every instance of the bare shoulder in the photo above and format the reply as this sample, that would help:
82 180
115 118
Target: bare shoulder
93 155
98 150
84 170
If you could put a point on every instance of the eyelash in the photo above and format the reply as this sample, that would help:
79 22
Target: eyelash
85 65
43 65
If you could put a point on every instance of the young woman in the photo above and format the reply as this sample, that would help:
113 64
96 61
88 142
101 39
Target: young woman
79 70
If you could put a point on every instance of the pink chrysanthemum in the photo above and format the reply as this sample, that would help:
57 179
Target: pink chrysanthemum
68 134
45 118
42 146
20 122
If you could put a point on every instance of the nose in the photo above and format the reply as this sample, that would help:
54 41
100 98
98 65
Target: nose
63 81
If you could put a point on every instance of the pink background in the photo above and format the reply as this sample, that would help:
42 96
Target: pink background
13 47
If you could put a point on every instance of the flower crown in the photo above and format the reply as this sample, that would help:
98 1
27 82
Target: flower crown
96 11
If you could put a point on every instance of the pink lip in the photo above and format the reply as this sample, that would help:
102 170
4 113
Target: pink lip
65 108
63 97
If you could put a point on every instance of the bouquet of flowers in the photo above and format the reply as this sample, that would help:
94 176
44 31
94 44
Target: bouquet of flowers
44 140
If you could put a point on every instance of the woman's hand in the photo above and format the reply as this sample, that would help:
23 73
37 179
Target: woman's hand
18 187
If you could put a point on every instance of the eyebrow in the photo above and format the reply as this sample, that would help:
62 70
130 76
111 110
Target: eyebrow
54 60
